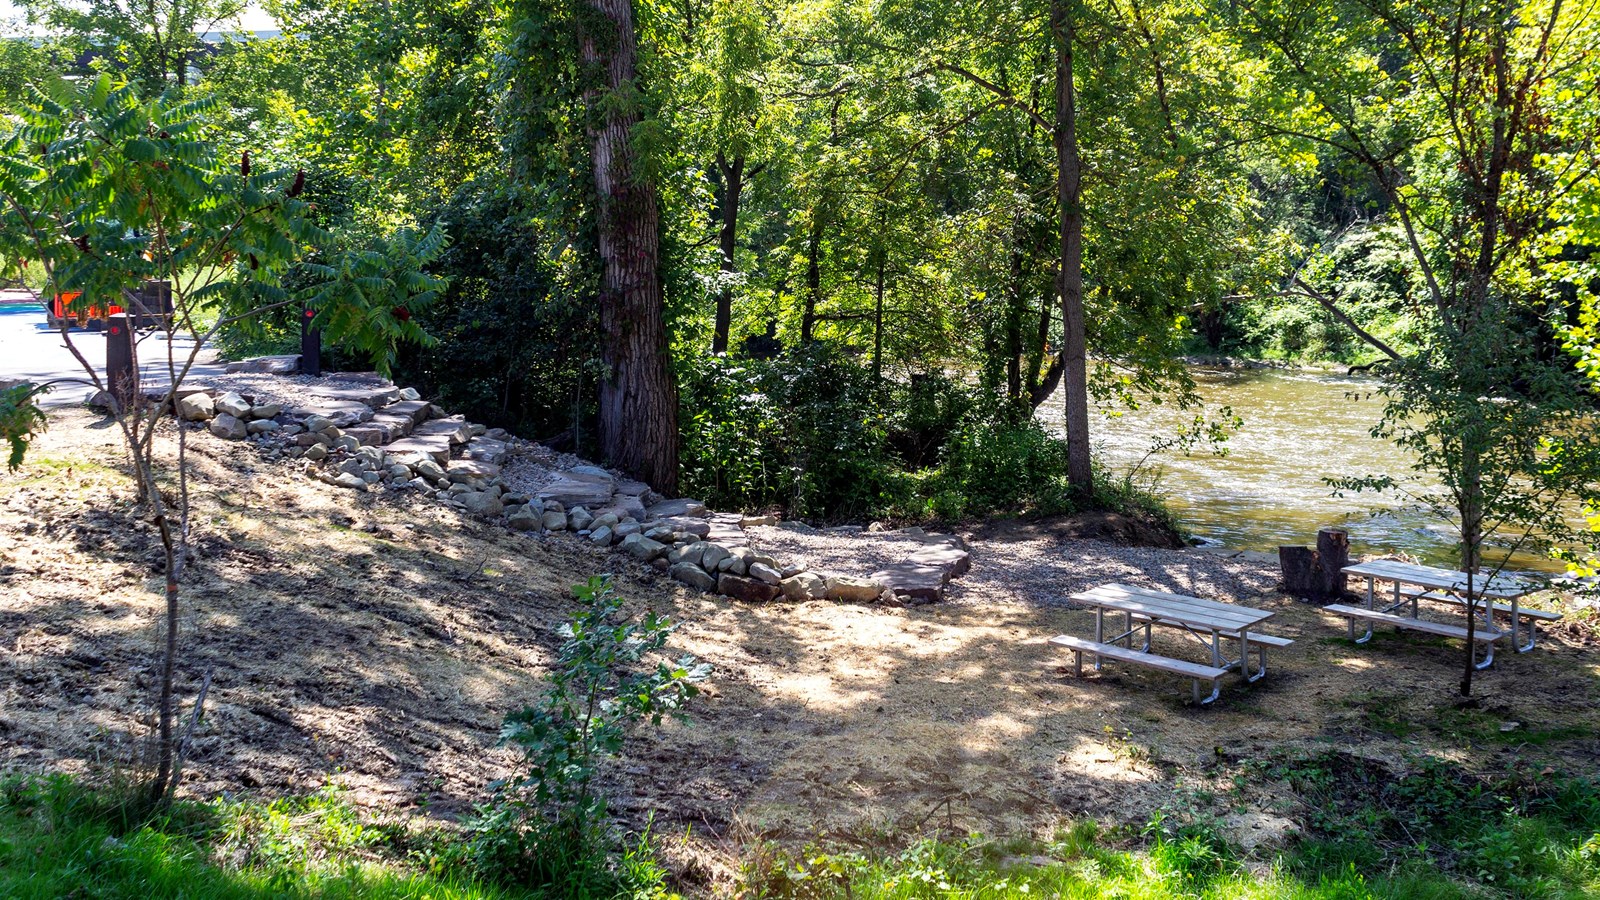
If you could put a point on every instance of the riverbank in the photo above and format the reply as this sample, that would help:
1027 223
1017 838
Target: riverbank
377 642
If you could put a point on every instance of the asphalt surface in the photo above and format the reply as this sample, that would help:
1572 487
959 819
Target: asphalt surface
30 350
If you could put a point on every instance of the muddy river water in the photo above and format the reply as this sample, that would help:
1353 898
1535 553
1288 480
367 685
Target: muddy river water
1299 428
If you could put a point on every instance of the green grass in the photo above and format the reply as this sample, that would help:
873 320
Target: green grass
58 839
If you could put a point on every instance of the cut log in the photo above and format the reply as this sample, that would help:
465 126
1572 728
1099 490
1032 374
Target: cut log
1300 573
1333 554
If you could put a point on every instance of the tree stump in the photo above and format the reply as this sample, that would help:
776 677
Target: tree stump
1300 575
1333 554
1317 574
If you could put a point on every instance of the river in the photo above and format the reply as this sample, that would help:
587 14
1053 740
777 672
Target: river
1299 428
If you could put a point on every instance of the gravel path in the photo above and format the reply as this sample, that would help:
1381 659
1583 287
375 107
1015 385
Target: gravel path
1041 571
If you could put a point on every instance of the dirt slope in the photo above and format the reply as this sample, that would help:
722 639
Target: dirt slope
378 642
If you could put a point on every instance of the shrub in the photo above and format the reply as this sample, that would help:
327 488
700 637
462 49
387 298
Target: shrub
995 465
546 826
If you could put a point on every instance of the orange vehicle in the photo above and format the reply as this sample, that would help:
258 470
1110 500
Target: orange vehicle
152 304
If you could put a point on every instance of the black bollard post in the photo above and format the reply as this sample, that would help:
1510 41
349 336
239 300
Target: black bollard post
310 345
122 379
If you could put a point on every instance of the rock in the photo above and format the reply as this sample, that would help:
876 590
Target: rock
269 365
353 466
414 411
410 394
713 556
371 455
266 411
347 444
228 426
688 553
400 472
605 520
316 453
642 548
669 508
747 589
196 407
579 519
625 528
765 573
664 533
429 469
804 586
693 576
371 477
421 486
688 525
482 503
469 469
525 518
498 434
347 480
853 590
234 405
454 428
487 449
316 424
554 506
602 536
580 487
952 561
757 521
911 581
794 568
436 447
478 430
262 426
554 520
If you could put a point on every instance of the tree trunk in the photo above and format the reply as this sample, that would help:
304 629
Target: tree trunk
1069 195
877 319
1299 566
638 400
808 320
1470 506
727 237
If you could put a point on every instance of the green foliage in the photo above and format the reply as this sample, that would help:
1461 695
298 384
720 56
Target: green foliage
59 838
20 420
996 465
546 826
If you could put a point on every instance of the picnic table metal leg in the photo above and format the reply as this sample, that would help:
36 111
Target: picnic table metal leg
1244 658
1127 627
1488 659
1351 620
1099 631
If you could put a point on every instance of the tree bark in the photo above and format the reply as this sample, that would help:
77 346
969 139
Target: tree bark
638 399
1069 196
727 238
1333 554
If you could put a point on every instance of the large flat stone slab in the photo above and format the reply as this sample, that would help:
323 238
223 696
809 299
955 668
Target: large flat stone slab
456 428
435 446
667 509
270 365
575 488
340 412
954 562
416 410
487 449
373 397
464 469
913 582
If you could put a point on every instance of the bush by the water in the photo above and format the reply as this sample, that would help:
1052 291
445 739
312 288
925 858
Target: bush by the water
812 433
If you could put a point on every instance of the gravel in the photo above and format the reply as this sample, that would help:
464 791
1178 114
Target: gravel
1041 571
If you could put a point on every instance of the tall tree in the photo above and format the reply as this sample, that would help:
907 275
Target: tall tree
638 398
154 41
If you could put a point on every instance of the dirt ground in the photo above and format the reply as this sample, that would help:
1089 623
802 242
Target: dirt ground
377 642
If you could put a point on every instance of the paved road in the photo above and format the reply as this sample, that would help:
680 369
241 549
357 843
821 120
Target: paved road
32 351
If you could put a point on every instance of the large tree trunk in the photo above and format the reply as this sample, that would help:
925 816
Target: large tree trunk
638 400
1069 196
727 239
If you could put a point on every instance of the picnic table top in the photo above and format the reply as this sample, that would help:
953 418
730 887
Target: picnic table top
1503 587
1209 614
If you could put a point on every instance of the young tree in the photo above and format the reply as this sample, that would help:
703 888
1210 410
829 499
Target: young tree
153 41
105 191
1475 124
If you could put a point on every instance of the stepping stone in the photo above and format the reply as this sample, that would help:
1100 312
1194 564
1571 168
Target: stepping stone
725 530
910 580
416 410
340 412
464 469
952 561
373 397
435 446
630 488
624 507
369 435
401 425
688 525
456 428
575 488
669 508
487 449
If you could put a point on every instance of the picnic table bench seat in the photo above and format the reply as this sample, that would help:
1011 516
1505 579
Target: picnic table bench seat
1482 635
1197 672
1414 593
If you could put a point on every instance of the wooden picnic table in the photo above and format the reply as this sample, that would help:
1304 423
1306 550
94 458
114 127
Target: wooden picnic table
1448 586
1208 621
